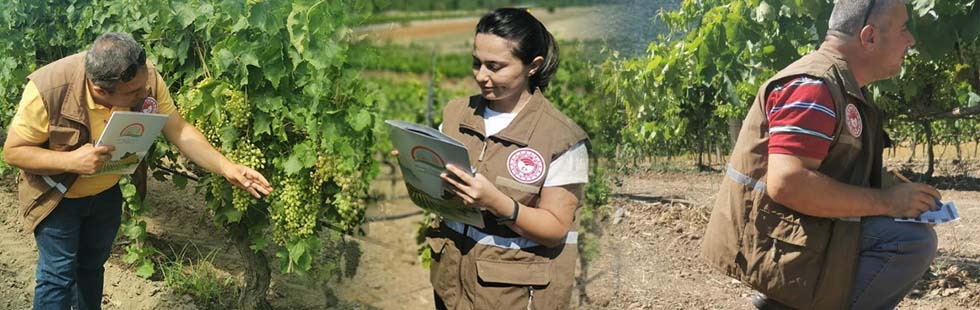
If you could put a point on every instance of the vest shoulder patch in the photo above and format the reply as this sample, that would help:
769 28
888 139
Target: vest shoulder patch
526 165
855 126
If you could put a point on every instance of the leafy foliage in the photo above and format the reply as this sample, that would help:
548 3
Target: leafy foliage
265 81
410 59
699 79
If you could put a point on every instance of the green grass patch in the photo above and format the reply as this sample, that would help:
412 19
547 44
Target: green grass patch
409 59
201 280
419 59
407 17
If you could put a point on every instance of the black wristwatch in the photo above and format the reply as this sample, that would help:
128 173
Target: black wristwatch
512 217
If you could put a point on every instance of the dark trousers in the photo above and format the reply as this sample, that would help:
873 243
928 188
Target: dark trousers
73 244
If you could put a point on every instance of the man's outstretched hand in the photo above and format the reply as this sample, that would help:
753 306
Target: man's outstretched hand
247 179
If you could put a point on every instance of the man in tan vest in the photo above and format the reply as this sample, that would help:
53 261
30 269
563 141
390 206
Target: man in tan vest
805 213
74 216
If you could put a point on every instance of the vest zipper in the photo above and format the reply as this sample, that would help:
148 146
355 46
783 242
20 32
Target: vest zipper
530 297
483 151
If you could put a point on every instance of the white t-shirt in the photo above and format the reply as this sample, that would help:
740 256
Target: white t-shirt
571 167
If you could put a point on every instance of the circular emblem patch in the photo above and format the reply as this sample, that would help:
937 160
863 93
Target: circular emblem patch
525 165
854 124
150 105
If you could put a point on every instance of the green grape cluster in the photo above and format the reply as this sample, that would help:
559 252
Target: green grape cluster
192 98
246 154
323 171
294 211
328 169
351 188
215 185
239 112
189 100
349 207
209 130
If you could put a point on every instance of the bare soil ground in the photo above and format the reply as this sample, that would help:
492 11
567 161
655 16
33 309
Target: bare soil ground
648 258
178 227
391 275
18 258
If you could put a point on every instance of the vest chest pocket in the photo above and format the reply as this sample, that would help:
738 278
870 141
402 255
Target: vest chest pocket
63 138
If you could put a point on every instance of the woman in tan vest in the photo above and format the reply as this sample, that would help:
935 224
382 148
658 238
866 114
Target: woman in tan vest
530 166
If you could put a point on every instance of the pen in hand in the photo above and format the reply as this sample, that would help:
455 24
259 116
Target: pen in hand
902 178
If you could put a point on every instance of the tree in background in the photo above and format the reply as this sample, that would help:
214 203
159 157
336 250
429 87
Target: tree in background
266 82
695 84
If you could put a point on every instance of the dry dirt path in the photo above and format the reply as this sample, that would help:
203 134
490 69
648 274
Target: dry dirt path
455 34
648 257
18 258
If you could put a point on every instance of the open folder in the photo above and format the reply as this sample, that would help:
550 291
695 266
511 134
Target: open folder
423 153
132 133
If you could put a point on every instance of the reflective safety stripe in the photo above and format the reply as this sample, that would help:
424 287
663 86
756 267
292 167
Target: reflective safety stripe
745 180
800 130
759 186
61 188
501 242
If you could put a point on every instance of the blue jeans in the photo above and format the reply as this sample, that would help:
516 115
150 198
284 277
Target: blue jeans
894 256
73 244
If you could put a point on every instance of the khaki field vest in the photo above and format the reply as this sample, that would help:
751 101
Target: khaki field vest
801 261
62 88
503 270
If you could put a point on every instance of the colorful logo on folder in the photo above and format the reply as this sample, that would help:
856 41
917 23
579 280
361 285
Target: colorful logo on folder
134 130
427 156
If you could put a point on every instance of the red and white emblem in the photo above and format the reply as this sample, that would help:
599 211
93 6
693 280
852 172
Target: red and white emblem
854 124
150 105
525 165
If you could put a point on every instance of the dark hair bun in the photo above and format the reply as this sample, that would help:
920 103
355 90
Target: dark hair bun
532 38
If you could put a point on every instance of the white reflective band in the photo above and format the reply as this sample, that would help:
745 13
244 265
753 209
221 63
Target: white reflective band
501 242
800 130
748 181
757 185
61 188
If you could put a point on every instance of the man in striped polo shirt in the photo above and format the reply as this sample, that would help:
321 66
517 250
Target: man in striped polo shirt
805 215
801 118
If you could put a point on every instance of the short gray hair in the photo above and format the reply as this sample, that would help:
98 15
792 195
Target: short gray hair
848 15
114 57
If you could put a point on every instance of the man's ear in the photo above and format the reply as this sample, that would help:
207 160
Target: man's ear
867 35
99 90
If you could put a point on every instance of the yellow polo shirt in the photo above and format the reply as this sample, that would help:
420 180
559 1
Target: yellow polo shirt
31 123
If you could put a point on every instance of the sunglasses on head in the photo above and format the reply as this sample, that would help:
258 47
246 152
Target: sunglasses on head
867 14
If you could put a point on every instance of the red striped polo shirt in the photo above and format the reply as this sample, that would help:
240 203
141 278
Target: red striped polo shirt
801 117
